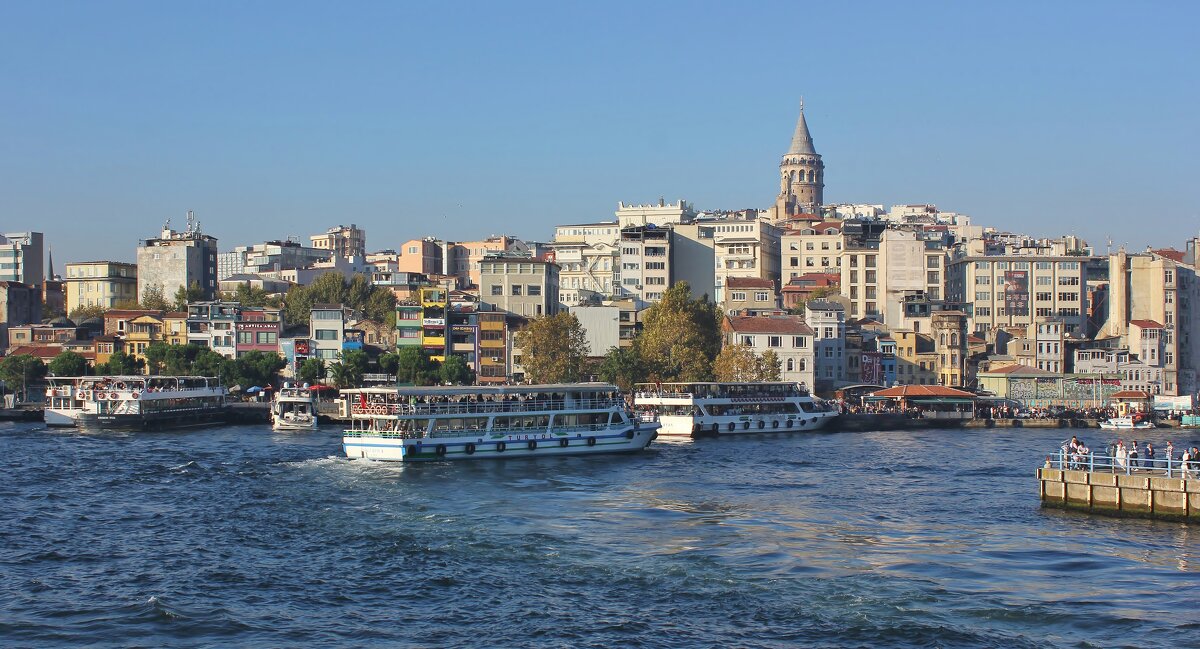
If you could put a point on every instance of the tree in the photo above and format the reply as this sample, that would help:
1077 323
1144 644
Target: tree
343 375
248 295
819 293
388 362
456 372
413 366
357 360
68 364
152 298
81 313
210 363
185 296
19 371
312 370
122 363
381 307
156 356
621 366
680 337
258 368
739 363
553 348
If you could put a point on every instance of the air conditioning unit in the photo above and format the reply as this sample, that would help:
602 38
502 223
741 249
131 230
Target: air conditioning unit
495 359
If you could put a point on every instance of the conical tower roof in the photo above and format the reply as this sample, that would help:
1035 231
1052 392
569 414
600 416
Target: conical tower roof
801 140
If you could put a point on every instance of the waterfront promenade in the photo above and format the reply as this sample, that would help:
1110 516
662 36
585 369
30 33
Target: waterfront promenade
1166 488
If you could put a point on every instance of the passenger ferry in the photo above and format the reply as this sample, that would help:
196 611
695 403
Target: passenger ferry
149 402
64 401
294 408
687 410
412 424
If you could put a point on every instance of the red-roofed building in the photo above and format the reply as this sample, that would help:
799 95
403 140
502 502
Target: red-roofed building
803 288
788 336
753 295
930 401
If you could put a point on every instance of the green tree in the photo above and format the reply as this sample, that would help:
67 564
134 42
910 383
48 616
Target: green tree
381 306
210 363
185 296
456 372
312 370
19 371
680 337
81 313
621 366
122 363
343 375
258 368
817 294
413 366
553 348
358 360
153 299
68 364
248 295
156 356
388 361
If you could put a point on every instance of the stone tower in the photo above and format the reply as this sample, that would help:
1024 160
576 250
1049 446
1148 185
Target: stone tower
801 175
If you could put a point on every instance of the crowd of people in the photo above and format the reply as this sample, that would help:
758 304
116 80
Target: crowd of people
1008 411
1119 456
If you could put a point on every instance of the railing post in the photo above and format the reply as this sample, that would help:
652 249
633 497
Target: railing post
1091 462
1061 459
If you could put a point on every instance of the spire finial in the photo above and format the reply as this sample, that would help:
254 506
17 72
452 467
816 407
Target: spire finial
802 103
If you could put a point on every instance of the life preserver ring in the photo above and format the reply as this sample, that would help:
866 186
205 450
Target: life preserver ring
532 444
440 450
413 450
716 427
591 441
120 386
469 448
137 394
745 425
564 442
629 434
731 426
762 424
500 447
789 423
775 424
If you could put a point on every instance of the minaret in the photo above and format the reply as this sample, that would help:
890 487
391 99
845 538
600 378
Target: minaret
50 264
801 175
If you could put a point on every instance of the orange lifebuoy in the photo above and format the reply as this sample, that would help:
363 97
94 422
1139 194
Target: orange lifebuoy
136 395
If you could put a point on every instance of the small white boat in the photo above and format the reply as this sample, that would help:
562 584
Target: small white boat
481 422
1126 423
294 408
687 410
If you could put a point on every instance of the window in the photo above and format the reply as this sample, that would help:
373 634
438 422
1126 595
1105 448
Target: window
245 337
1044 297
516 289
1068 281
657 281
497 289
795 262
870 277
870 261
774 341
748 340
1068 297
533 289
799 342
983 296
983 280
984 311
829 332
326 334
933 262
266 337
933 277
1168 276
808 246
1044 280
762 296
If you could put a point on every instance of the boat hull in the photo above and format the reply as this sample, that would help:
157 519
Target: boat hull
686 428
155 421
281 424
60 419
437 449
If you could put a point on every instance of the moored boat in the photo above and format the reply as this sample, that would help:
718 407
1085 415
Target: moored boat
294 408
411 424
150 402
688 410
1136 422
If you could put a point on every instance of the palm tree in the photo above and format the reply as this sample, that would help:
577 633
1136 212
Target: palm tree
338 374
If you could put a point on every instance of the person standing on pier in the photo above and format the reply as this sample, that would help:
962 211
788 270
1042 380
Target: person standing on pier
1149 453
1133 455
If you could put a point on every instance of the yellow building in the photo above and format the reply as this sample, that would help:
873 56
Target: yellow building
175 330
143 331
100 283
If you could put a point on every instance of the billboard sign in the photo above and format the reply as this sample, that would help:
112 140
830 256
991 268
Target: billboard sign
1016 292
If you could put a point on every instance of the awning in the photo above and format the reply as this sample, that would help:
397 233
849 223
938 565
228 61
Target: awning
941 400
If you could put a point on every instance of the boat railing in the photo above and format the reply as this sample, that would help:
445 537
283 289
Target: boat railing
1098 463
480 407
663 395
466 431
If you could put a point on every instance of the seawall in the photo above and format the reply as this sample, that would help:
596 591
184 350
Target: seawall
1121 495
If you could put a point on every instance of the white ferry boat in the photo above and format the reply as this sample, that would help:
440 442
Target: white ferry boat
463 423
294 408
1136 422
64 402
687 410
149 402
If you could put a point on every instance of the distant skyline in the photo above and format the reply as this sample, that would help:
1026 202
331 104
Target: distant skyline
466 120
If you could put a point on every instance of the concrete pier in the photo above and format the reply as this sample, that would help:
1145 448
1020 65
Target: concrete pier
1140 494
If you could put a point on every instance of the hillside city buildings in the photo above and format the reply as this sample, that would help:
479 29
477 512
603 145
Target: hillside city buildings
843 294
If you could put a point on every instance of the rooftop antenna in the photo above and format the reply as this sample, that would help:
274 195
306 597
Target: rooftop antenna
191 220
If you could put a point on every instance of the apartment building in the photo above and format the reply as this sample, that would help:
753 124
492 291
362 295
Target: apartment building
1011 290
520 286
788 336
100 283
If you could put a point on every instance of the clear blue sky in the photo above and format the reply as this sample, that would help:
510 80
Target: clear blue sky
461 120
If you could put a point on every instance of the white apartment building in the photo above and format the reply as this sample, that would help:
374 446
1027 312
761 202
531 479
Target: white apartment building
788 336
1012 290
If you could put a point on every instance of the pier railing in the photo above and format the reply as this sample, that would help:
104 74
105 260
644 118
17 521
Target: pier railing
1093 462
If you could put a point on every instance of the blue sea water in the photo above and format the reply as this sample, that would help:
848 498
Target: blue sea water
243 537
